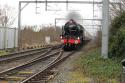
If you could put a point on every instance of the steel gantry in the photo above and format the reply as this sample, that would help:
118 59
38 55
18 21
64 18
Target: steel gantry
105 20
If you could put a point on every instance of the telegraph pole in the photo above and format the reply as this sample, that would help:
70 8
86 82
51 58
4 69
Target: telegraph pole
105 28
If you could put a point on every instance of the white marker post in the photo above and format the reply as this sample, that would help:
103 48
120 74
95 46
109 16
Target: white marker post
47 39
105 29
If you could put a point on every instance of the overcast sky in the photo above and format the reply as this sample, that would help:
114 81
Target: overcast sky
29 16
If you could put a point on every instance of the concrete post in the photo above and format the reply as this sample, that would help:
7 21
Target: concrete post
19 25
105 28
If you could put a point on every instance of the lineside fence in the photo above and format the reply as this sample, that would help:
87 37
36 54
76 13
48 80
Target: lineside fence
8 37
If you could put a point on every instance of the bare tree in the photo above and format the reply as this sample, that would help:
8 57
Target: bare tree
6 16
29 36
116 9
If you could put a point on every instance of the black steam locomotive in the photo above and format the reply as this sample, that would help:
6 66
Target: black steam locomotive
73 35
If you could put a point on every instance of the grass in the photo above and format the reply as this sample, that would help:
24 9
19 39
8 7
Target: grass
77 77
3 53
92 65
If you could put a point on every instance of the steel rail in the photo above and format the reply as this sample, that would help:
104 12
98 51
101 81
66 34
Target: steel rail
32 78
18 68
25 53
22 52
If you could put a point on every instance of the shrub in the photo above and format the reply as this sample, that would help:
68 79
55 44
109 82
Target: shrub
118 46
117 23
117 36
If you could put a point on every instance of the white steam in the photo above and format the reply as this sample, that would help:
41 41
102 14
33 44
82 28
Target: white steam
75 16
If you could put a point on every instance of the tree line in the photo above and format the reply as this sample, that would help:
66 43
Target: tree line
30 36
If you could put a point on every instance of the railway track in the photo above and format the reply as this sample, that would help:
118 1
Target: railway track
12 74
21 55
17 61
36 70
17 55
39 68
10 62
45 74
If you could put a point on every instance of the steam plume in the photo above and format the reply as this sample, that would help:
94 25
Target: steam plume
75 16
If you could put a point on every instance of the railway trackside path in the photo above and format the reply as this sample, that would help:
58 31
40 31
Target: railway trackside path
67 71
92 69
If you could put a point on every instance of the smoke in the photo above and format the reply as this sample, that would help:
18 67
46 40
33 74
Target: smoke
75 16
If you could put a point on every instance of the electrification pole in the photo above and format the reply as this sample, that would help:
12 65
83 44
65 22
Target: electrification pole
105 28
19 25
20 8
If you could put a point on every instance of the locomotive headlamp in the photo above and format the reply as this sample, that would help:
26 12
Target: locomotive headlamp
61 37
76 41
62 41
78 38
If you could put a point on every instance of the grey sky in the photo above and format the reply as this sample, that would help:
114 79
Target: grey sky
29 17
29 11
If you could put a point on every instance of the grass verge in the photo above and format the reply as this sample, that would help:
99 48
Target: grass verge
2 53
92 65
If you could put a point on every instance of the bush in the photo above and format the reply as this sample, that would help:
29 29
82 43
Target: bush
118 46
117 36
117 23
94 66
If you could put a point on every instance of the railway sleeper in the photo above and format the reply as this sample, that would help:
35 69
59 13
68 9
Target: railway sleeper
45 77
25 72
6 75
14 78
37 81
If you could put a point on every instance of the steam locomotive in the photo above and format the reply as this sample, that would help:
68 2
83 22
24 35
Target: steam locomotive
73 35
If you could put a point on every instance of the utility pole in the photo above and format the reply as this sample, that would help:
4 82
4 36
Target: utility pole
20 8
5 29
105 28
19 25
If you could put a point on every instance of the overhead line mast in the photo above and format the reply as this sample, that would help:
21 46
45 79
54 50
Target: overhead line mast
105 28
105 22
